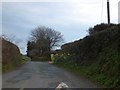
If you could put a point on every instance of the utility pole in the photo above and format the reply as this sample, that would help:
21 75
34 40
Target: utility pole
108 11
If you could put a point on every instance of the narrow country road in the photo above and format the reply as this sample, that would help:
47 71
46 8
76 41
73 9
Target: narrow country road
43 75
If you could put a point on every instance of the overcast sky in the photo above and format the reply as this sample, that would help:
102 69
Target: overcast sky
71 17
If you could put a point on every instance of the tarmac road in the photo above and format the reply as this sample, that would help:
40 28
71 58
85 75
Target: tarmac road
43 75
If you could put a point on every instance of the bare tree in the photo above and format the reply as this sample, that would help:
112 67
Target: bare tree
11 38
46 38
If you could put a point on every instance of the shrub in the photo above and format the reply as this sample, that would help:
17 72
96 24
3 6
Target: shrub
100 27
97 56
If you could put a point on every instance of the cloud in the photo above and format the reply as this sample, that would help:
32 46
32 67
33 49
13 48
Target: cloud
72 18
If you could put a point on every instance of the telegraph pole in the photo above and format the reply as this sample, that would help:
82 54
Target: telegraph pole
108 11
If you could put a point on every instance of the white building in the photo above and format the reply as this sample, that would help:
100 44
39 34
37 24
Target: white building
119 12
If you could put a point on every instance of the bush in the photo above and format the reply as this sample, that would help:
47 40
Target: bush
7 67
96 56
87 50
109 63
99 28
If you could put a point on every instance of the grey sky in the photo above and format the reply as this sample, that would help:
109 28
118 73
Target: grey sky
119 12
72 19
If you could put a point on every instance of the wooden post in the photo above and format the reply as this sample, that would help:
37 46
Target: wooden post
108 11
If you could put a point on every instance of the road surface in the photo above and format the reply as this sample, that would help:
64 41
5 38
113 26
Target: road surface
43 75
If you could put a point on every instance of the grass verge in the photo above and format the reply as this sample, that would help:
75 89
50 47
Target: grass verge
10 66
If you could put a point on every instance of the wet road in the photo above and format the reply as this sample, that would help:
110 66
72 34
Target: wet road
43 75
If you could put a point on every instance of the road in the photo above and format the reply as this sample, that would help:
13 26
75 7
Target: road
43 75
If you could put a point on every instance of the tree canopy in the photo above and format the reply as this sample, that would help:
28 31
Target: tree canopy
44 39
